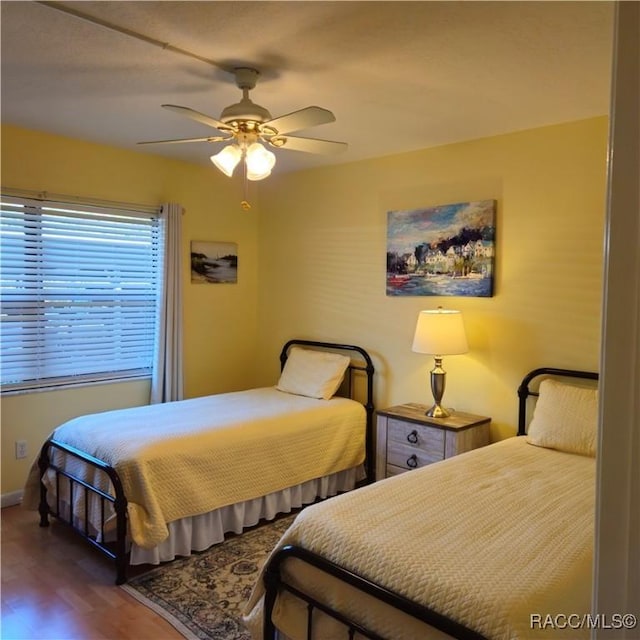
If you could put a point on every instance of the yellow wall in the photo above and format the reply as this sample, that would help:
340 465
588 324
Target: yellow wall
312 264
220 320
323 250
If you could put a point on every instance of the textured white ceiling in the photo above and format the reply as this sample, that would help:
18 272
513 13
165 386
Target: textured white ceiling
398 76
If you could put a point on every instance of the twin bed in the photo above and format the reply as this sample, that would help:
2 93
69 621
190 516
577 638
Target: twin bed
494 543
147 484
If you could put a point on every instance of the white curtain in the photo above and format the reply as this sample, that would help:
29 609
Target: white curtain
167 379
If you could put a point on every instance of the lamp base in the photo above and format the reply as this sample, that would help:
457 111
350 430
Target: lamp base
438 378
437 412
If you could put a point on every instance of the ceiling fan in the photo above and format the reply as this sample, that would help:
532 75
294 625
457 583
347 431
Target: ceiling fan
248 127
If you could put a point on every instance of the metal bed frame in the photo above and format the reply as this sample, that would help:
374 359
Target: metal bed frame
117 550
275 582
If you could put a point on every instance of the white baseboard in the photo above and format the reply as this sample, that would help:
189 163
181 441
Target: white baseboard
11 499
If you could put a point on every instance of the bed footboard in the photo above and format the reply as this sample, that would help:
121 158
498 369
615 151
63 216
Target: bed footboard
275 583
79 522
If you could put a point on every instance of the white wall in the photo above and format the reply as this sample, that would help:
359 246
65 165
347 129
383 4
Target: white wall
617 548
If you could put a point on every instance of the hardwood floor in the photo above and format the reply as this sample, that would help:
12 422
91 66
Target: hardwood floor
54 587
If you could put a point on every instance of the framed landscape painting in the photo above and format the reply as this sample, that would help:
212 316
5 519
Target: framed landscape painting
447 250
214 262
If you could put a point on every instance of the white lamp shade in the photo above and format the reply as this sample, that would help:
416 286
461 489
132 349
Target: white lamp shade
259 161
227 159
440 332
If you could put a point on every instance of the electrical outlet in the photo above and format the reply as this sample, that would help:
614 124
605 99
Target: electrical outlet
21 449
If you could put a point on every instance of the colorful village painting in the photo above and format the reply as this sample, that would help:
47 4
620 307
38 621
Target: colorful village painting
447 250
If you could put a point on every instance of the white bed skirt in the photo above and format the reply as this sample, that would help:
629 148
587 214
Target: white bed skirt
198 533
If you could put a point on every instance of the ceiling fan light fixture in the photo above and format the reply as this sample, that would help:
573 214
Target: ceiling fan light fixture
245 124
259 161
227 159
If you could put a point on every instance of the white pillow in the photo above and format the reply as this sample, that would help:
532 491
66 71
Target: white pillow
316 374
565 418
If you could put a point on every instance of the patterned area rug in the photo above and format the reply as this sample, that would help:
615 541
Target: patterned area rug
203 596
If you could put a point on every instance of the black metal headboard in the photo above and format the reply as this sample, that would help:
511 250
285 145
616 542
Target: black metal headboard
524 391
367 367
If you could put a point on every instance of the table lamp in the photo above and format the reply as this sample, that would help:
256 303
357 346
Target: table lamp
439 332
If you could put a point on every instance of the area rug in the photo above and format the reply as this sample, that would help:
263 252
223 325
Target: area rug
203 595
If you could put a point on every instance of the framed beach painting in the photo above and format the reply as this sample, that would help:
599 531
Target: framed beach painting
214 262
446 250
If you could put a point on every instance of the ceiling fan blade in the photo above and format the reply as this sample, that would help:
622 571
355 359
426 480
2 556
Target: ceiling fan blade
178 140
197 116
308 145
301 119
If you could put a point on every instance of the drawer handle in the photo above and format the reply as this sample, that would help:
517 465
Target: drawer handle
413 437
412 462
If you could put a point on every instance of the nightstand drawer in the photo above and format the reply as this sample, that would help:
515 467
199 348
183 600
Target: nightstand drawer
430 440
410 457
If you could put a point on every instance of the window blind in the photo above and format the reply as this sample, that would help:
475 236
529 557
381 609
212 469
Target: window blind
79 293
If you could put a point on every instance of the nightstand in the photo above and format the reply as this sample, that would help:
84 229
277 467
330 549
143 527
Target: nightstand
407 438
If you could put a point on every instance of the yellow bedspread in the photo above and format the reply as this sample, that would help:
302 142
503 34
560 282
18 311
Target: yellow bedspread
192 456
489 538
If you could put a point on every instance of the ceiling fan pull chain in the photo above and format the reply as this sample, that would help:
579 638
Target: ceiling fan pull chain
245 188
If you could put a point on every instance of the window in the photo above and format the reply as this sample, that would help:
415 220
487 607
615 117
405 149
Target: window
79 293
